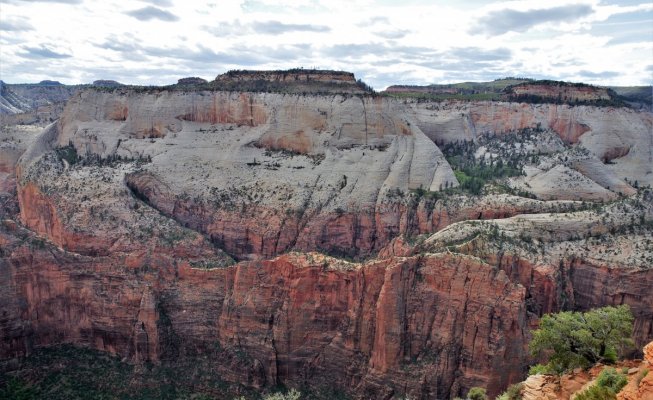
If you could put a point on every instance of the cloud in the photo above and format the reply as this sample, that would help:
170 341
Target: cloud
502 21
236 28
278 28
625 27
47 1
352 50
15 25
160 3
41 52
593 75
150 13
392 34
375 21
480 54
224 29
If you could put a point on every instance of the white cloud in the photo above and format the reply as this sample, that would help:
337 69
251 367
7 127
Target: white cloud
382 42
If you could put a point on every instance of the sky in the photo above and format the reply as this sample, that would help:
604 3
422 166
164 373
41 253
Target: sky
383 42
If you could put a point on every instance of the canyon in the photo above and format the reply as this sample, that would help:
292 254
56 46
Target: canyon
320 236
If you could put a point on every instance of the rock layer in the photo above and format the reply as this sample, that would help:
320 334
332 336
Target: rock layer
131 198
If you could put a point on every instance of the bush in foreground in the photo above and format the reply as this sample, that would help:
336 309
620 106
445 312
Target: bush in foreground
575 339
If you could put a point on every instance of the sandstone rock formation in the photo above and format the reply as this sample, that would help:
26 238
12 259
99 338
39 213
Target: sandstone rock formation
561 91
171 224
191 81
599 160
568 386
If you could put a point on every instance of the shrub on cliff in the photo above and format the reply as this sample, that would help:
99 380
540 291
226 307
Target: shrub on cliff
575 339
608 384
512 393
477 393
292 394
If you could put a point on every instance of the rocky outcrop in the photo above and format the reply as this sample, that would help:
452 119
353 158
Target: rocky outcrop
192 81
560 91
540 387
568 386
289 76
131 202
107 83
620 135
328 172
297 318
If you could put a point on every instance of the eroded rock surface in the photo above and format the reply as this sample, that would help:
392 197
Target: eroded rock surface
163 225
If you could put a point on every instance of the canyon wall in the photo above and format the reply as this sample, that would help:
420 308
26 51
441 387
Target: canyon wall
164 225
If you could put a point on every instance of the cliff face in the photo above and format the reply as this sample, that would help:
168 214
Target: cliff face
327 172
381 327
289 76
566 93
134 203
599 147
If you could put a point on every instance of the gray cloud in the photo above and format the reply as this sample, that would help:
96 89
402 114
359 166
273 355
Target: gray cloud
374 21
228 29
502 21
160 3
149 13
461 58
130 48
278 28
236 28
15 25
46 1
593 75
479 54
392 34
355 50
41 52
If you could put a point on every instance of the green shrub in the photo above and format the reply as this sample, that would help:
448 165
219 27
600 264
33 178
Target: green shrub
477 393
18 390
608 384
513 392
292 394
575 339
596 392
539 369
611 379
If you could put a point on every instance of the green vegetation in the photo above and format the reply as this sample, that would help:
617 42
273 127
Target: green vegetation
596 392
467 91
612 379
635 95
614 101
68 153
477 393
67 372
293 394
502 90
246 81
581 339
607 385
473 173
512 393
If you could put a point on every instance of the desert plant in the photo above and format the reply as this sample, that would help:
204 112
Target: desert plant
292 394
596 392
512 393
574 339
611 379
477 393
608 384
